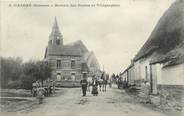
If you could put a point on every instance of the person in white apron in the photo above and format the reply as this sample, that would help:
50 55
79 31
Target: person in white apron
95 87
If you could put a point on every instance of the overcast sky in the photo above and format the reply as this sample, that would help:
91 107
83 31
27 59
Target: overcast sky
114 34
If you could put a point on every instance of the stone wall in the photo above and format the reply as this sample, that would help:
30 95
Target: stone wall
171 96
68 84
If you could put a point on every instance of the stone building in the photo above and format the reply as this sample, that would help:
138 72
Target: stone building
70 61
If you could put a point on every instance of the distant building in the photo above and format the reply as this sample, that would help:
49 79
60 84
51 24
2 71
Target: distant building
70 61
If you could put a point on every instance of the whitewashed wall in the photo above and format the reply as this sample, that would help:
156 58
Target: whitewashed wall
124 76
143 63
137 70
131 76
173 75
156 76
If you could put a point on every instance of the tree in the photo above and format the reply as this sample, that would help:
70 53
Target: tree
16 74
11 69
37 70
44 71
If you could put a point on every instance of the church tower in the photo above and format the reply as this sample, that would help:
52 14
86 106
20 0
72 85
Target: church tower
56 37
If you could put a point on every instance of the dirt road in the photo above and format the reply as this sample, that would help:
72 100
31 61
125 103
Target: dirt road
114 102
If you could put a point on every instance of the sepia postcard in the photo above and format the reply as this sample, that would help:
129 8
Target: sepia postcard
92 57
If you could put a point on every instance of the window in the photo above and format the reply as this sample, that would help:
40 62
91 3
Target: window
58 63
57 41
73 64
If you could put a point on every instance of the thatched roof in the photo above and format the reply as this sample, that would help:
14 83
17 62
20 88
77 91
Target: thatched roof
130 66
166 42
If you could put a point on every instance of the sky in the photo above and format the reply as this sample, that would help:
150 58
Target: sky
115 34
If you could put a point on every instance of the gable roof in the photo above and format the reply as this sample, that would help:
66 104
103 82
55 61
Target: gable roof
166 42
80 45
91 60
72 49
64 50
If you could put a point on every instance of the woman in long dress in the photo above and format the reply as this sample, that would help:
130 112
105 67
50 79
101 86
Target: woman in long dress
95 87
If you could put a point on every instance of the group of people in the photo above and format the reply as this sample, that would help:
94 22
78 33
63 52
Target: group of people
121 83
96 84
41 90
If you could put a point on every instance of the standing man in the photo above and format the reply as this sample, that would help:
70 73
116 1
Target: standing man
110 82
147 91
84 85
34 89
119 83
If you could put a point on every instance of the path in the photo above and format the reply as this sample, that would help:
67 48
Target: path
114 102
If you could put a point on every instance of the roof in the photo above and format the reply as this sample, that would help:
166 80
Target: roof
72 49
166 42
80 45
91 60
64 50
84 68
173 57
130 66
86 56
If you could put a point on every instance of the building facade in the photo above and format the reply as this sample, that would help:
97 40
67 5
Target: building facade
160 61
69 62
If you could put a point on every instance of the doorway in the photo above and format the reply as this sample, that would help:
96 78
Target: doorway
73 76
58 76
151 79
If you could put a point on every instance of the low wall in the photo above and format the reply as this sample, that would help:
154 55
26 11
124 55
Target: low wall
169 97
68 84
139 82
172 95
